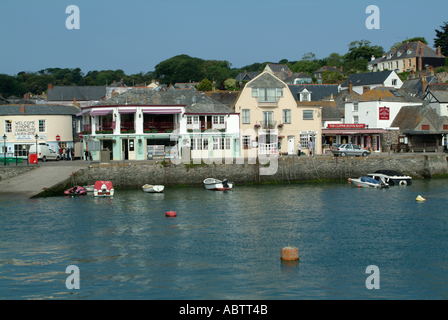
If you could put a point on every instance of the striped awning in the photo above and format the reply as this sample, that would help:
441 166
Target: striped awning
81 113
162 110
100 112
127 110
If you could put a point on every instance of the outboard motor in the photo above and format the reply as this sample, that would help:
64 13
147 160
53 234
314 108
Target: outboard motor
225 184
103 189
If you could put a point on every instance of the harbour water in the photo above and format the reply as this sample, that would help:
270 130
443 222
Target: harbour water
227 245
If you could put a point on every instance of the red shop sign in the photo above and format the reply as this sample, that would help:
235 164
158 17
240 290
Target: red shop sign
384 113
346 126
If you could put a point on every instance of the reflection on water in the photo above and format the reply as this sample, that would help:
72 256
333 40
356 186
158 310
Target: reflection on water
227 245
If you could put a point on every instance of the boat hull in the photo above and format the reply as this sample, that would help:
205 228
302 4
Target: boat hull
217 185
75 191
103 189
153 188
368 183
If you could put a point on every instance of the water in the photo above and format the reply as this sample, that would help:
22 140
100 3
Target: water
227 245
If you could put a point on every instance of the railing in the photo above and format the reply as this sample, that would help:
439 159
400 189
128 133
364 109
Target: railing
156 126
128 127
87 128
267 148
267 124
104 127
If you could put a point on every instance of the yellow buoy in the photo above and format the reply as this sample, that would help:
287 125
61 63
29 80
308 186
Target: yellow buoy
290 253
420 198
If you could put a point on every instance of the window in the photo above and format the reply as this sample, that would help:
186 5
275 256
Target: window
192 144
21 150
205 144
355 106
425 126
42 126
305 96
218 119
246 142
267 94
394 81
304 139
246 116
355 119
254 92
410 62
227 143
445 127
286 116
8 126
308 115
189 120
215 144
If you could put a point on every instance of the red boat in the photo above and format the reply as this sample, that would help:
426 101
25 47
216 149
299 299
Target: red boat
76 190
103 189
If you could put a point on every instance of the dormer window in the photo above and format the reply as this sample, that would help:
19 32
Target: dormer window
305 95
409 51
390 55
399 53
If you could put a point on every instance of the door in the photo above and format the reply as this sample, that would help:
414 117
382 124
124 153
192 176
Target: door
291 143
131 149
124 149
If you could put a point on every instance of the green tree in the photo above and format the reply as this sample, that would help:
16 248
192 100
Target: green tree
441 39
334 60
359 53
230 84
181 68
205 85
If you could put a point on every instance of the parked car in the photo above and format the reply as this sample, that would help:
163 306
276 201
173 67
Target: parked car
348 149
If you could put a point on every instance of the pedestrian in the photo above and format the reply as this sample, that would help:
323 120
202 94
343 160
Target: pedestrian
310 147
299 148
67 153
86 154
72 153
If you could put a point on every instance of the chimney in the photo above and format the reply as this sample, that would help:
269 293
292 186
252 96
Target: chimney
22 108
331 97
50 86
439 51
408 46
245 72
430 71
438 81
424 84
372 58
350 87
26 96
411 75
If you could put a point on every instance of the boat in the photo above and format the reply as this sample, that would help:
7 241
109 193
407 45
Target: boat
151 188
392 177
76 190
369 182
90 188
103 189
217 185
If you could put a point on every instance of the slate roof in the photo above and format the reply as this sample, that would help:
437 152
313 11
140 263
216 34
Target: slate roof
329 109
375 61
441 96
415 46
361 79
413 87
3 101
342 97
275 67
326 68
40 109
409 117
438 86
246 76
266 80
386 94
225 97
80 93
195 101
318 91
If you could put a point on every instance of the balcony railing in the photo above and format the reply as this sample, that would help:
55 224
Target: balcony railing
267 124
155 127
127 127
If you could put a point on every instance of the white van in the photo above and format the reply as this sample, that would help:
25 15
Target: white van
44 152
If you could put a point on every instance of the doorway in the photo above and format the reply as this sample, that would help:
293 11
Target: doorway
108 144
291 143
128 149
124 149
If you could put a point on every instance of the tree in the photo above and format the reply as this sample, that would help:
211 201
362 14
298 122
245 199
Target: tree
205 85
334 60
441 39
359 53
230 84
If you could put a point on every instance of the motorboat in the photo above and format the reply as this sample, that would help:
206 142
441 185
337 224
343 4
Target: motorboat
392 177
151 188
369 182
217 185
90 188
76 190
103 189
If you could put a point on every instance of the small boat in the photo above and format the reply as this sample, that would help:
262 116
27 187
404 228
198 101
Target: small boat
103 189
217 185
392 177
369 182
76 190
152 188
90 188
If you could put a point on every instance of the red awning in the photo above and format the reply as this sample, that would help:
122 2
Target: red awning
162 110
127 110
351 131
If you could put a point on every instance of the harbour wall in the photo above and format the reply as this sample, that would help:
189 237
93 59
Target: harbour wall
135 175
12 171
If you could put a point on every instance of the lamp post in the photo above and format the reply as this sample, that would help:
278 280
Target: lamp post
4 147
37 154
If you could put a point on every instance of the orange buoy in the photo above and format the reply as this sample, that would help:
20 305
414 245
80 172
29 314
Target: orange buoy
290 253
171 213
359 186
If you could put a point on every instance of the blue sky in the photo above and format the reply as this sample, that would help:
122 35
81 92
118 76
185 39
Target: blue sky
136 35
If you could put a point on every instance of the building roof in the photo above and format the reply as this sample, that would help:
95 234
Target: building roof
318 91
40 109
80 93
299 75
413 87
409 117
440 96
326 68
410 50
361 79
266 80
275 67
246 76
194 100
386 94
329 109
225 97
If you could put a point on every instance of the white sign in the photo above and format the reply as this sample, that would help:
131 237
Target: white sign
24 137
42 138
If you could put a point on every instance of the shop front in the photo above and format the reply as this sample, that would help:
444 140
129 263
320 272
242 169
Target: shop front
354 133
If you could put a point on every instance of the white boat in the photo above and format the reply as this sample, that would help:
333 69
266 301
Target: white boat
103 189
153 188
392 177
90 188
217 185
369 182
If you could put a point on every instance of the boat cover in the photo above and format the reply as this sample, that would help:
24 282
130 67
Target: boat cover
369 180
108 184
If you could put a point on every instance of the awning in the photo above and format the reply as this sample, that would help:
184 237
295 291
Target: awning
127 110
162 110
100 112
81 113
352 132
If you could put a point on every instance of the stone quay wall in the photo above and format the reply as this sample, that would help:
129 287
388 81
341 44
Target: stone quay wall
134 175
7 172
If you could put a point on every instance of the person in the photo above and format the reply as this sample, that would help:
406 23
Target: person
67 153
72 153
279 147
86 154
310 147
299 148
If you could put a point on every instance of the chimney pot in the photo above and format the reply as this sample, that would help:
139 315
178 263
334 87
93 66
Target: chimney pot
22 108
350 87
439 51
50 86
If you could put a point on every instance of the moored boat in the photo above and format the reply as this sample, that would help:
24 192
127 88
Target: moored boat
76 190
369 182
151 188
90 188
392 177
217 185
103 189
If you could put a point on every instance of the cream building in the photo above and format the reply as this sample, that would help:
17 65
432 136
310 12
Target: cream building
269 114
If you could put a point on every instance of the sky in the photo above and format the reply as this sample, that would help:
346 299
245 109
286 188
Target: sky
136 35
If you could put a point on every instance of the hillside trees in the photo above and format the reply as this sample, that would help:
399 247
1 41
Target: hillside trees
441 39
